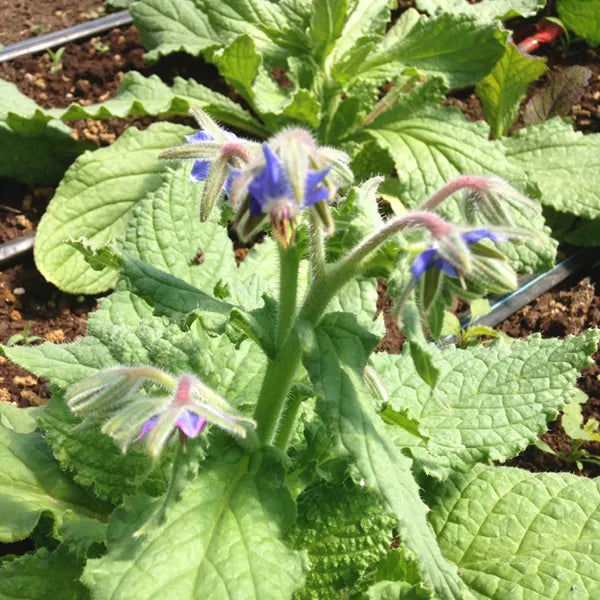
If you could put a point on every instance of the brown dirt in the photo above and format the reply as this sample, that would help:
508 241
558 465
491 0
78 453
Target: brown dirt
26 299
22 19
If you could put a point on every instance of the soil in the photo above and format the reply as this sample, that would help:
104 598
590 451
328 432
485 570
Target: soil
91 71
22 19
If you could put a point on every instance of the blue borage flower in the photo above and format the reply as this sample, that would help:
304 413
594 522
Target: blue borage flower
114 396
270 193
190 425
271 187
201 168
431 258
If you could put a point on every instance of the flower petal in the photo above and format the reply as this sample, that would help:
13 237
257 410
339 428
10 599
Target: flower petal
425 261
148 425
191 424
472 237
200 170
198 137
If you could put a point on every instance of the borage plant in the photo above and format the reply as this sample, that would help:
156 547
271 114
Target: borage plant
225 431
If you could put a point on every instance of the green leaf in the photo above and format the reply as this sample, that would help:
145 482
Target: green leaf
581 17
327 24
168 26
397 590
344 532
431 147
503 89
95 460
43 575
123 331
239 63
365 24
32 483
557 97
222 536
563 163
454 47
20 420
516 534
165 231
335 355
277 29
35 149
488 403
139 95
95 200
486 10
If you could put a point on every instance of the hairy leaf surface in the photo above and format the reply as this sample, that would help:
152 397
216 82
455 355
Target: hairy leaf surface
521 535
43 575
563 163
95 200
335 354
488 403
222 537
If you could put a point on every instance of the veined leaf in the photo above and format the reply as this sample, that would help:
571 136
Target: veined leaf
521 535
139 95
557 97
118 335
488 403
503 89
165 231
581 17
167 26
345 532
89 203
486 10
223 537
563 163
35 149
327 23
335 354
454 47
32 482
431 147
43 575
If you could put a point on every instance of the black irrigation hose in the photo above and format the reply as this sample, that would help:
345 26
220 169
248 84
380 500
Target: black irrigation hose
13 249
60 38
534 286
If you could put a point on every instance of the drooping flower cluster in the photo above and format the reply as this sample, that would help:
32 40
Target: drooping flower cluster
115 397
433 258
458 253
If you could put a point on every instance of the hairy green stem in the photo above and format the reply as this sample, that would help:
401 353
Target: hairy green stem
326 281
289 261
317 248
288 420
275 387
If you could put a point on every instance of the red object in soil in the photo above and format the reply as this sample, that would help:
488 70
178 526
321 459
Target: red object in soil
545 33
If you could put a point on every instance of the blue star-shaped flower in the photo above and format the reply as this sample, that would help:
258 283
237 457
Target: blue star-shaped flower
430 258
272 185
200 168
190 424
